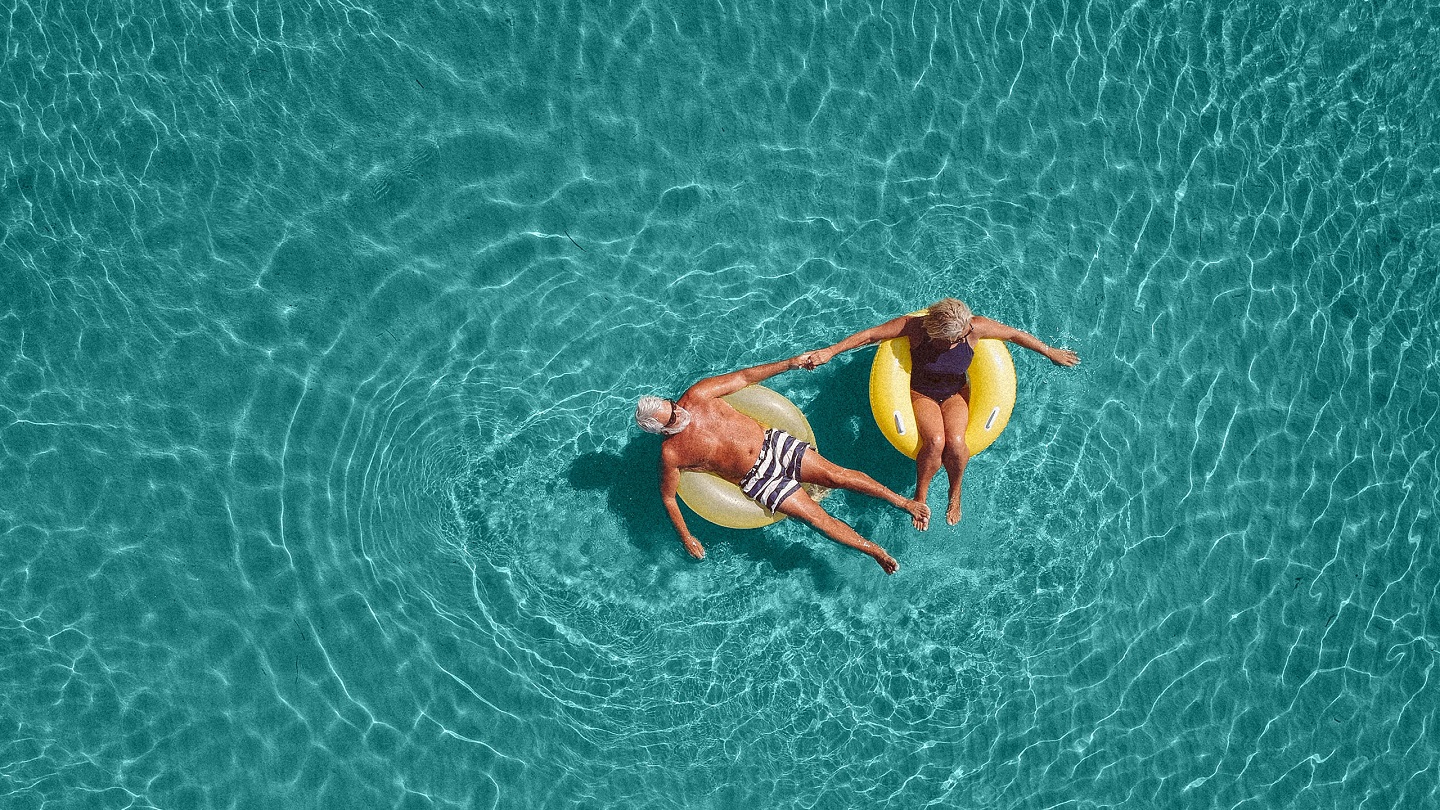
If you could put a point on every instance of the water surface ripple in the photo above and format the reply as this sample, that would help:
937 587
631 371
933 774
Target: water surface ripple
321 326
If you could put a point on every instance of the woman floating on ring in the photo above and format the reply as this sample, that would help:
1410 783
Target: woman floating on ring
942 344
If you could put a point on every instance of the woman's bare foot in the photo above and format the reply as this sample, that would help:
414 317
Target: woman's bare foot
952 512
919 514
886 561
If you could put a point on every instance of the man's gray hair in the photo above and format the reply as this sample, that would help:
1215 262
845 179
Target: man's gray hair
651 413
948 320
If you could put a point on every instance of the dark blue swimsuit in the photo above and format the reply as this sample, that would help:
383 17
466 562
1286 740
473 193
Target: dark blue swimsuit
936 372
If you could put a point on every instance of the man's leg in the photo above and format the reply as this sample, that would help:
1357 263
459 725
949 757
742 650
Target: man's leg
802 506
816 469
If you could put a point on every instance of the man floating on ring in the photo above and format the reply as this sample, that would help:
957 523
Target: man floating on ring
704 433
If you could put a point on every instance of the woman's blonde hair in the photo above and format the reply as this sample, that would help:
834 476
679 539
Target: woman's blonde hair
948 320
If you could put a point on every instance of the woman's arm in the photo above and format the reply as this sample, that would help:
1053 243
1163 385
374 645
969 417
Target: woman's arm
989 328
885 331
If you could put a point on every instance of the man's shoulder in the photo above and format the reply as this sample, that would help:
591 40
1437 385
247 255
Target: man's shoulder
670 451
680 442
696 396
679 450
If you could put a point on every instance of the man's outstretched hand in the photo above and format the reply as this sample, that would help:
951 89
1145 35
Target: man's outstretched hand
693 546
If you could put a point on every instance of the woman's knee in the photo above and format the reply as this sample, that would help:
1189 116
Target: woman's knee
957 448
931 443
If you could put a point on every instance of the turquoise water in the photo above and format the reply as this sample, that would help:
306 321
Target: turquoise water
321 327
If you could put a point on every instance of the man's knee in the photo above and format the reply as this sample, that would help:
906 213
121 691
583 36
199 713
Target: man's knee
845 478
814 516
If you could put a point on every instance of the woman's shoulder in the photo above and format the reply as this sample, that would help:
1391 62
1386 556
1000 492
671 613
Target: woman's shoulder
988 327
912 325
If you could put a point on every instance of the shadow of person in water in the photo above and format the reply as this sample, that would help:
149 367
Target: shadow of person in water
631 482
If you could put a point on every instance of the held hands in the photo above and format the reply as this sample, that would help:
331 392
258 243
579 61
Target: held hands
813 360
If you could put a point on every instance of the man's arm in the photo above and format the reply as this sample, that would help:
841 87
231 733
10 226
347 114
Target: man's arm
669 483
717 387
885 331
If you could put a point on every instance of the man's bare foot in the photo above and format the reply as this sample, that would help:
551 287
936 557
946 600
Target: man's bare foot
887 562
952 513
919 514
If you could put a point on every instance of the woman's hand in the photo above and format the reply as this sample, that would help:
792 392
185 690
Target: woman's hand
1063 357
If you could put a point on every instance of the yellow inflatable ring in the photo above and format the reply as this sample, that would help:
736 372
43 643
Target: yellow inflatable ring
719 501
992 394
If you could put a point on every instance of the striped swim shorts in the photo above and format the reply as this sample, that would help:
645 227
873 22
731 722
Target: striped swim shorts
776 474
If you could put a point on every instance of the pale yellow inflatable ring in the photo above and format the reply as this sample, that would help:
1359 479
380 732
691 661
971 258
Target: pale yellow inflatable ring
721 502
992 394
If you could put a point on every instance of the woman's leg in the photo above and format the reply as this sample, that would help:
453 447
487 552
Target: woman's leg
956 413
930 422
